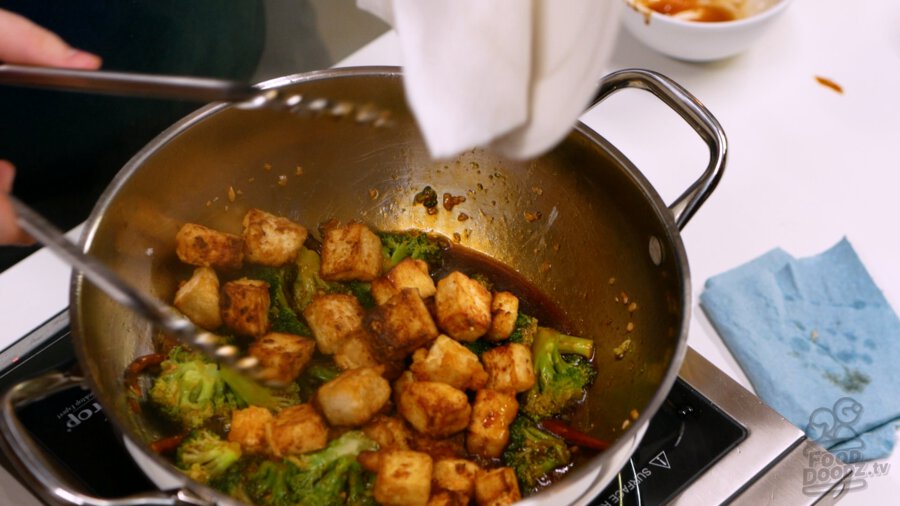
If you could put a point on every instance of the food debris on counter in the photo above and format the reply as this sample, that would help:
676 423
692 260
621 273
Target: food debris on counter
828 83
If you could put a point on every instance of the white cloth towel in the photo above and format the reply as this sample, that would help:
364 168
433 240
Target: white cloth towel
509 75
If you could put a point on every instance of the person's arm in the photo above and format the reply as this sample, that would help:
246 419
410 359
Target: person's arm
24 42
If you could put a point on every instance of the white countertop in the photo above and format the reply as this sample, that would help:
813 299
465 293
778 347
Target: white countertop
806 165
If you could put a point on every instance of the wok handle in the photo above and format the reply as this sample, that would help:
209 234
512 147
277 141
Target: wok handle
33 465
696 115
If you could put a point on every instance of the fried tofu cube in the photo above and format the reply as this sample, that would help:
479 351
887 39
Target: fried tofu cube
435 409
297 429
405 379
409 273
504 312
198 298
492 413
440 448
332 318
389 432
404 478
245 306
271 240
351 252
463 307
444 498
355 352
497 487
401 325
282 357
509 367
354 397
249 428
205 247
449 362
456 476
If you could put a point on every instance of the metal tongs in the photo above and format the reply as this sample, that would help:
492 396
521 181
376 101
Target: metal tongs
200 89
160 314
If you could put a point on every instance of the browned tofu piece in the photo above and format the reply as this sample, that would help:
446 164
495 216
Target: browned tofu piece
355 352
205 247
351 252
198 298
297 429
405 379
389 432
444 498
456 476
449 362
271 240
453 447
509 367
463 307
497 487
492 413
409 273
435 409
370 460
249 428
401 325
404 478
504 311
245 306
282 357
354 397
332 318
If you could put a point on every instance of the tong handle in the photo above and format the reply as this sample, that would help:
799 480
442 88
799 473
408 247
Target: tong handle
199 89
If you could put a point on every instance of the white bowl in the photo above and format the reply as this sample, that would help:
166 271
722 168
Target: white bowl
694 40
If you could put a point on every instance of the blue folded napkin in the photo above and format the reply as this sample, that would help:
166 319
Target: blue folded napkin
819 342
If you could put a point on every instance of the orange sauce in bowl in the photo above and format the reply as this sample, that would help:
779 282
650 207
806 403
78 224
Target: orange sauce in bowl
692 10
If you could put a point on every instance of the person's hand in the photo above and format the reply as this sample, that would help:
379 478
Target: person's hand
10 233
24 42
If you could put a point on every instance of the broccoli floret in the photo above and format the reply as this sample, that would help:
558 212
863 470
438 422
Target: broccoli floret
269 484
395 246
204 455
250 393
190 389
233 480
308 282
525 329
533 453
361 290
561 380
282 316
330 476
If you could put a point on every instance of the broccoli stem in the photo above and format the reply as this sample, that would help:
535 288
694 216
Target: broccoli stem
577 345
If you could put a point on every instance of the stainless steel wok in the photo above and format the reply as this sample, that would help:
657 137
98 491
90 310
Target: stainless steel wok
604 240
